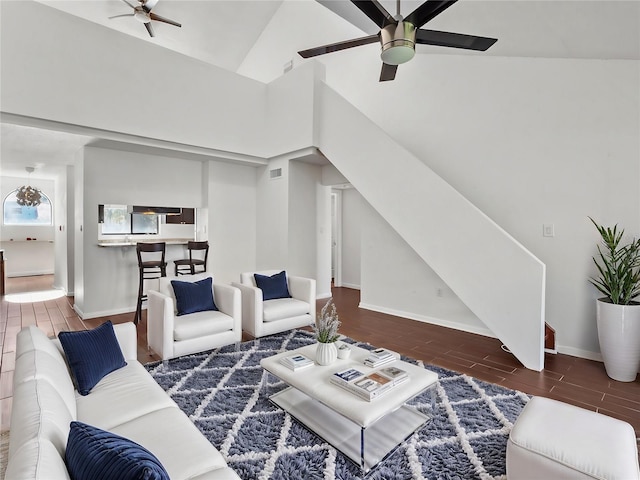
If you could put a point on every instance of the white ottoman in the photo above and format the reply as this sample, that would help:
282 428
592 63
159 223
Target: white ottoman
555 440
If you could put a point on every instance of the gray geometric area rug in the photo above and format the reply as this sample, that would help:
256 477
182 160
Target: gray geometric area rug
220 391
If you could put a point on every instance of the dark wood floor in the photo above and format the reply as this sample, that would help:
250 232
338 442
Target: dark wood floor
570 379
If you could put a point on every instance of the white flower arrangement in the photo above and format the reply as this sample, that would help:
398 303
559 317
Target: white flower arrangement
327 323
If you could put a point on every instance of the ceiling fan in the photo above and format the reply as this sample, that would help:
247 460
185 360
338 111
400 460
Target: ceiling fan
398 35
144 14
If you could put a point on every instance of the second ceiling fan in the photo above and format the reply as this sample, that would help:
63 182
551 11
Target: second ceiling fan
398 35
143 14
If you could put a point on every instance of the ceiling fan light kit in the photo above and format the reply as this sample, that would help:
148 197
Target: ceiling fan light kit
398 36
398 43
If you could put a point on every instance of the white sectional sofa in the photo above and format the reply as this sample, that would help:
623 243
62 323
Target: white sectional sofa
127 402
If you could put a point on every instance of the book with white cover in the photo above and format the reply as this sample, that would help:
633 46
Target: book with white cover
379 357
378 363
380 354
296 361
396 374
367 386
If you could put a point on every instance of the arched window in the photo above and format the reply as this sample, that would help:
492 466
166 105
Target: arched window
16 214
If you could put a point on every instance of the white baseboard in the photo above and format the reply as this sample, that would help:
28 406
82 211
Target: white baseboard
350 285
29 274
321 296
574 352
105 313
578 352
426 319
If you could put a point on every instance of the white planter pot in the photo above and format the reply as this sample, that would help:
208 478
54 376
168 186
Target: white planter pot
326 353
619 337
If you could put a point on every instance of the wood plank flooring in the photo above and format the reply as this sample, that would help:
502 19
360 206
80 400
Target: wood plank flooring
570 379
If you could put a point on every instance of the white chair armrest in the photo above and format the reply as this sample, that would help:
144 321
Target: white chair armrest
228 300
127 336
304 289
251 308
160 324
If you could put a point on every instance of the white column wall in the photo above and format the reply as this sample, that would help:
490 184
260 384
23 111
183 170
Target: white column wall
272 216
231 226
352 218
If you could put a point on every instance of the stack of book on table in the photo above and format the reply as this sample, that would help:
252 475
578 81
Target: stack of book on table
371 385
296 362
379 357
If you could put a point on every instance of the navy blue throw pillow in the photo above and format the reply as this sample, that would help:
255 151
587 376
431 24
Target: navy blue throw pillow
194 297
95 454
91 354
274 286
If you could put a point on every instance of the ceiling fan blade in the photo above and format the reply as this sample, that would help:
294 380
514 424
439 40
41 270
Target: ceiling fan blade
375 11
149 29
427 11
334 47
148 5
158 18
123 15
128 3
388 72
455 40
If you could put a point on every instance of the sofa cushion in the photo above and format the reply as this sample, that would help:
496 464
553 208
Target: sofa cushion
274 286
95 454
36 460
192 297
41 414
186 455
284 308
92 354
38 365
126 393
32 338
201 324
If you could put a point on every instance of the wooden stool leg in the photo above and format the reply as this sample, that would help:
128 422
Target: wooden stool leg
138 316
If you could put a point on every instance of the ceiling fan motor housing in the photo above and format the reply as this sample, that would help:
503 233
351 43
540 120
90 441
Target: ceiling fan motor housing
398 43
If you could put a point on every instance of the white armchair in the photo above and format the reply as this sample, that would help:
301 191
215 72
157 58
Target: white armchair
171 335
260 318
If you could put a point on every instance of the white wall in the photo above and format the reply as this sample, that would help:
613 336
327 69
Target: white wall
352 218
232 220
395 280
109 279
115 82
493 274
309 227
272 197
530 142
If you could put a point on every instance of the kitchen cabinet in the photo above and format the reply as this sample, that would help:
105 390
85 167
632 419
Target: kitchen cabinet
188 217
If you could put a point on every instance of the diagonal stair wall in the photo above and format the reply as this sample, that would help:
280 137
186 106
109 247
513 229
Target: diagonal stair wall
494 275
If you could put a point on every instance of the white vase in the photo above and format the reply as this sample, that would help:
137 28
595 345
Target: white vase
619 337
326 353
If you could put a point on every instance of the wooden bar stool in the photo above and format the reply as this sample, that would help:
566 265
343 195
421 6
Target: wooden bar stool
187 266
151 265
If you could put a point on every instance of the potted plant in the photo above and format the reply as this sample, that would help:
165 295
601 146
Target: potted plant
618 315
326 331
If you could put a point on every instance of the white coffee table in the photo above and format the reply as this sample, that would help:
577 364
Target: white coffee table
366 432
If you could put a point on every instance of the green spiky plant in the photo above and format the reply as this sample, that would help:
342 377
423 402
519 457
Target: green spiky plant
327 323
618 266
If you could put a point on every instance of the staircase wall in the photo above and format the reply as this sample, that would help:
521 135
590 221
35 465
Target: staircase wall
500 281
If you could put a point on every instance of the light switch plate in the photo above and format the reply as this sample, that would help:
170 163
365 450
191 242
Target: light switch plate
548 230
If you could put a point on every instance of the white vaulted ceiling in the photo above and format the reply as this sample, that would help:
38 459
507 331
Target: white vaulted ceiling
225 33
